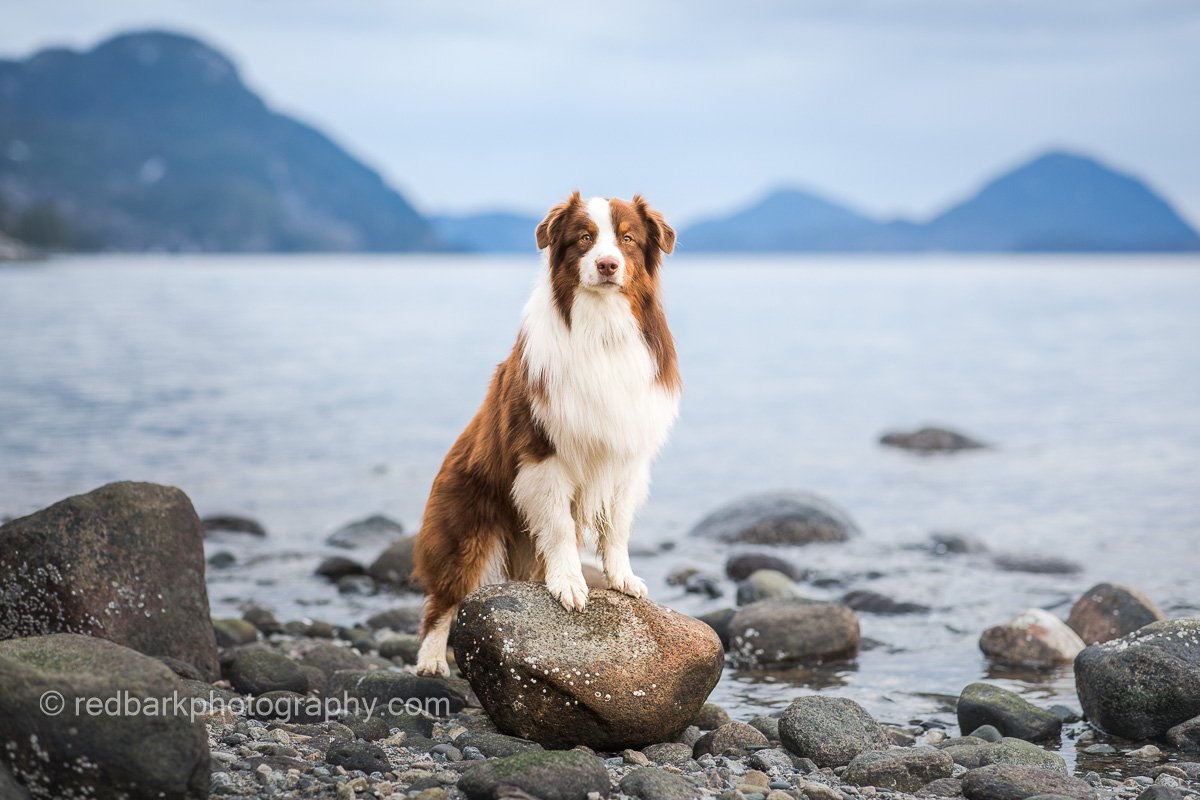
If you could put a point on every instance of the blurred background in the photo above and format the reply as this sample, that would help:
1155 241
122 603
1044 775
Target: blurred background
271 252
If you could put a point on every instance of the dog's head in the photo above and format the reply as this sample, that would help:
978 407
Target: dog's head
604 245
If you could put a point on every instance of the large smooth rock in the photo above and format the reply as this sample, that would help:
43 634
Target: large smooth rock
773 634
1035 638
257 670
394 565
623 673
124 562
1012 782
780 518
829 730
402 691
904 770
1109 611
1186 735
552 775
931 440
973 753
120 747
374 531
985 704
1144 683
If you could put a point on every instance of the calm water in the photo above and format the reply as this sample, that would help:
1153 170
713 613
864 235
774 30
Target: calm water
311 391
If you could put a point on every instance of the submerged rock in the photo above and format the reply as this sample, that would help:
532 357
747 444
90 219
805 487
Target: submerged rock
622 673
874 603
931 440
1144 683
829 730
781 518
124 562
1109 611
1035 638
232 523
984 704
743 565
772 634
549 775
127 748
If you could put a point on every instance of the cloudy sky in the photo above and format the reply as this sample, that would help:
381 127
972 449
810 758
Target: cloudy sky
896 108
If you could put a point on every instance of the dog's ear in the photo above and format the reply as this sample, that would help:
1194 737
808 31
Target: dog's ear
661 234
546 230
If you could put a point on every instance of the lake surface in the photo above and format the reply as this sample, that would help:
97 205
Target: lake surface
309 391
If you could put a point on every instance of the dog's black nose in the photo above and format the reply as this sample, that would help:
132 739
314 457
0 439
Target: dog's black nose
607 266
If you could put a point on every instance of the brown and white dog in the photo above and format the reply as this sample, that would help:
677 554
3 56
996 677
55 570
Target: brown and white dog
560 451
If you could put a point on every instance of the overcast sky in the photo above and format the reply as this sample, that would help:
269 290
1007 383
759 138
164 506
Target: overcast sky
897 108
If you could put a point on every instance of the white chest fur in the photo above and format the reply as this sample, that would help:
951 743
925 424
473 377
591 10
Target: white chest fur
602 402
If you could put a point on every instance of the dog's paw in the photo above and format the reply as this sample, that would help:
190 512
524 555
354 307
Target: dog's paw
628 583
570 590
432 667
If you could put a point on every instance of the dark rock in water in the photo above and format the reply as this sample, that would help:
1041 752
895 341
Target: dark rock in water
394 565
403 646
231 523
1038 565
438 696
1109 611
719 621
124 563
930 440
257 670
222 559
773 634
547 775
622 673
376 530
782 518
653 783
951 543
496 745
743 565
704 583
1011 782
731 738
112 752
904 770
1035 638
1186 735
766 584
335 568
263 619
405 619
984 704
234 632
829 730
357 584
1144 683
874 603
359 756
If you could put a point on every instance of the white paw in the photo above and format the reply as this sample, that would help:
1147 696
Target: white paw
628 583
433 667
570 590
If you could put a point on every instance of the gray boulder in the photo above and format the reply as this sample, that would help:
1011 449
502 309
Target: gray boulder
1145 683
257 670
394 566
548 775
653 783
124 563
984 704
374 531
829 730
1186 735
773 634
84 717
1011 782
780 518
905 770
1109 611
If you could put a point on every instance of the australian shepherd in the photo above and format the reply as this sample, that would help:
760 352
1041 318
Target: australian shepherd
559 454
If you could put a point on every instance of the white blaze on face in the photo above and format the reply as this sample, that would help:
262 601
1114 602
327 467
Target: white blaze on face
605 247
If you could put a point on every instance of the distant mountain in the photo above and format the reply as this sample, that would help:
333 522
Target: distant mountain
1056 202
152 141
495 232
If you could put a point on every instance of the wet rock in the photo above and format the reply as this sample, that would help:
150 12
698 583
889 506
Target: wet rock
905 770
766 584
622 673
374 531
1038 565
874 603
930 440
335 568
1186 735
403 646
222 559
394 565
1146 752
1142 684
232 523
652 783
989 733
704 583
782 518
234 632
743 565
548 775
984 704
256 670
829 730
772 634
328 657
262 619
719 621
1035 638
496 745
124 563
360 756
403 619
953 543
357 584
731 738
108 753
436 696
1011 782
1109 611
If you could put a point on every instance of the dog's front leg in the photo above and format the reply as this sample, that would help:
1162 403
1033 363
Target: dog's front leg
614 537
543 493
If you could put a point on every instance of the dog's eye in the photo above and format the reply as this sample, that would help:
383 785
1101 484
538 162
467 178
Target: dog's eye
627 238
587 237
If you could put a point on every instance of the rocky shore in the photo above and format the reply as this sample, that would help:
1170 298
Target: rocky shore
115 681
